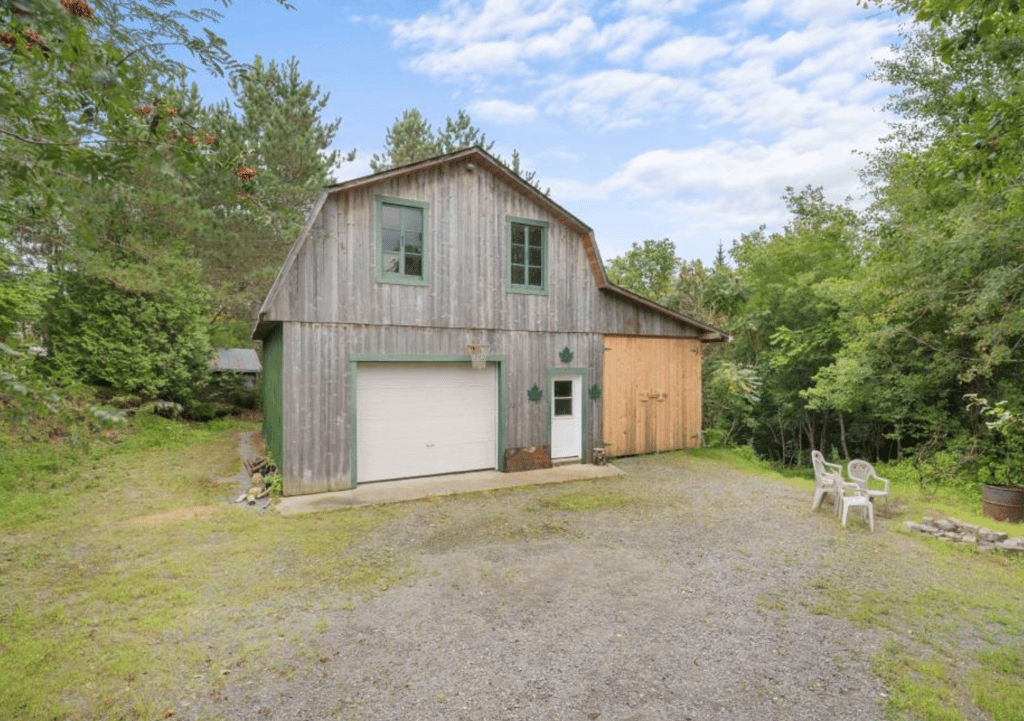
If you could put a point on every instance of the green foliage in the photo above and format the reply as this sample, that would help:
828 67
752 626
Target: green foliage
1002 457
732 394
648 269
411 139
273 158
117 179
148 343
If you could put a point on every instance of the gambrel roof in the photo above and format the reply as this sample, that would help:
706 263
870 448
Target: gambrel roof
473 158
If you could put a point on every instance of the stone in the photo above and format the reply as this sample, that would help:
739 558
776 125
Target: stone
992 536
1011 546
911 526
970 528
984 547
257 479
944 524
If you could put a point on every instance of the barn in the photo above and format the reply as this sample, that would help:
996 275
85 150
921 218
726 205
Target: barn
446 316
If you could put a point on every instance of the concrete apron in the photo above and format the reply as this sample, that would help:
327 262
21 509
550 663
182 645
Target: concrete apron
411 489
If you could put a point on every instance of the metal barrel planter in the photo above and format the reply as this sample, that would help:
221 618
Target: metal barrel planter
1002 502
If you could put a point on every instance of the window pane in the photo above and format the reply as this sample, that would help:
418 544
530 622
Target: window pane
536 257
536 237
413 219
518 234
413 243
518 275
390 240
519 254
391 263
391 216
563 389
563 406
414 265
536 277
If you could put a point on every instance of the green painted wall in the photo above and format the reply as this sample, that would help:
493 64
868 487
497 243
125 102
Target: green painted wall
273 398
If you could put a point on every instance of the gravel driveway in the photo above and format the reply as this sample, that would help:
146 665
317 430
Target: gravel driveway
678 591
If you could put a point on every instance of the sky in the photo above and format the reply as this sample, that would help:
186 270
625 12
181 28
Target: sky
646 119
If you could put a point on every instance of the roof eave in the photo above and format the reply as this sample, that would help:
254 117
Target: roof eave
708 333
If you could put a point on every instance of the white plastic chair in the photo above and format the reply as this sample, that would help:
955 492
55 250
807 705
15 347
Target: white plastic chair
827 479
862 473
852 495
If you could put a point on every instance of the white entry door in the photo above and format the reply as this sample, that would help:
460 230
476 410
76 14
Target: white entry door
425 419
566 417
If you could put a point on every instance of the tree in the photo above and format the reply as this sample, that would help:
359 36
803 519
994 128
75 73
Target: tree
272 158
410 139
789 325
648 269
99 157
937 312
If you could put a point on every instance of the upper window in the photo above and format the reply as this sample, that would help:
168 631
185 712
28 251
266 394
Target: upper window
527 256
402 255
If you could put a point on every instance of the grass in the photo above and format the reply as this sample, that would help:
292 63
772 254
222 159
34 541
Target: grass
104 609
953 624
127 580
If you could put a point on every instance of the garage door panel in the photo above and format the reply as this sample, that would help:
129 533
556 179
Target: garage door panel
425 419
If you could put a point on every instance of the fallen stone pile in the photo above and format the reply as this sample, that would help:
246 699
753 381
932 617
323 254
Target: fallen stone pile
948 528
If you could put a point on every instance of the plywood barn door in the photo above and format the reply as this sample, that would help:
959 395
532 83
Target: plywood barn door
652 394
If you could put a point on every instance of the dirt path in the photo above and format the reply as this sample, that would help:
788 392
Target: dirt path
674 592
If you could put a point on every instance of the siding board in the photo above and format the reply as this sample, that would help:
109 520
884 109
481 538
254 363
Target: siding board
330 308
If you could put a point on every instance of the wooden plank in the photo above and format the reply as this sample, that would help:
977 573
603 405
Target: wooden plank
652 394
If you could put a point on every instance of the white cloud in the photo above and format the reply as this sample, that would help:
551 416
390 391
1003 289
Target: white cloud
742 100
690 51
478 59
626 39
503 112
466 22
618 98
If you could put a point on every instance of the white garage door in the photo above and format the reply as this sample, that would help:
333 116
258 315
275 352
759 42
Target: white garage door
425 419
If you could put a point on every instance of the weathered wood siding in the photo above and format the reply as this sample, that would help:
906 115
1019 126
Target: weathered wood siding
333 279
330 307
652 394
317 421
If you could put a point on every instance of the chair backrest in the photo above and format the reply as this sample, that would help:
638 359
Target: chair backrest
820 471
860 470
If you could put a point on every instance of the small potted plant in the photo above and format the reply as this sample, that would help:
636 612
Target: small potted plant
1003 498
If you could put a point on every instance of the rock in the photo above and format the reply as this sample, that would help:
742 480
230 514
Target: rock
970 528
992 536
944 524
257 479
984 547
1011 546
911 526
241 498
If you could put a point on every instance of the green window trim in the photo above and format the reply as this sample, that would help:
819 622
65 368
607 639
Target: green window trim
526 256
395 220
